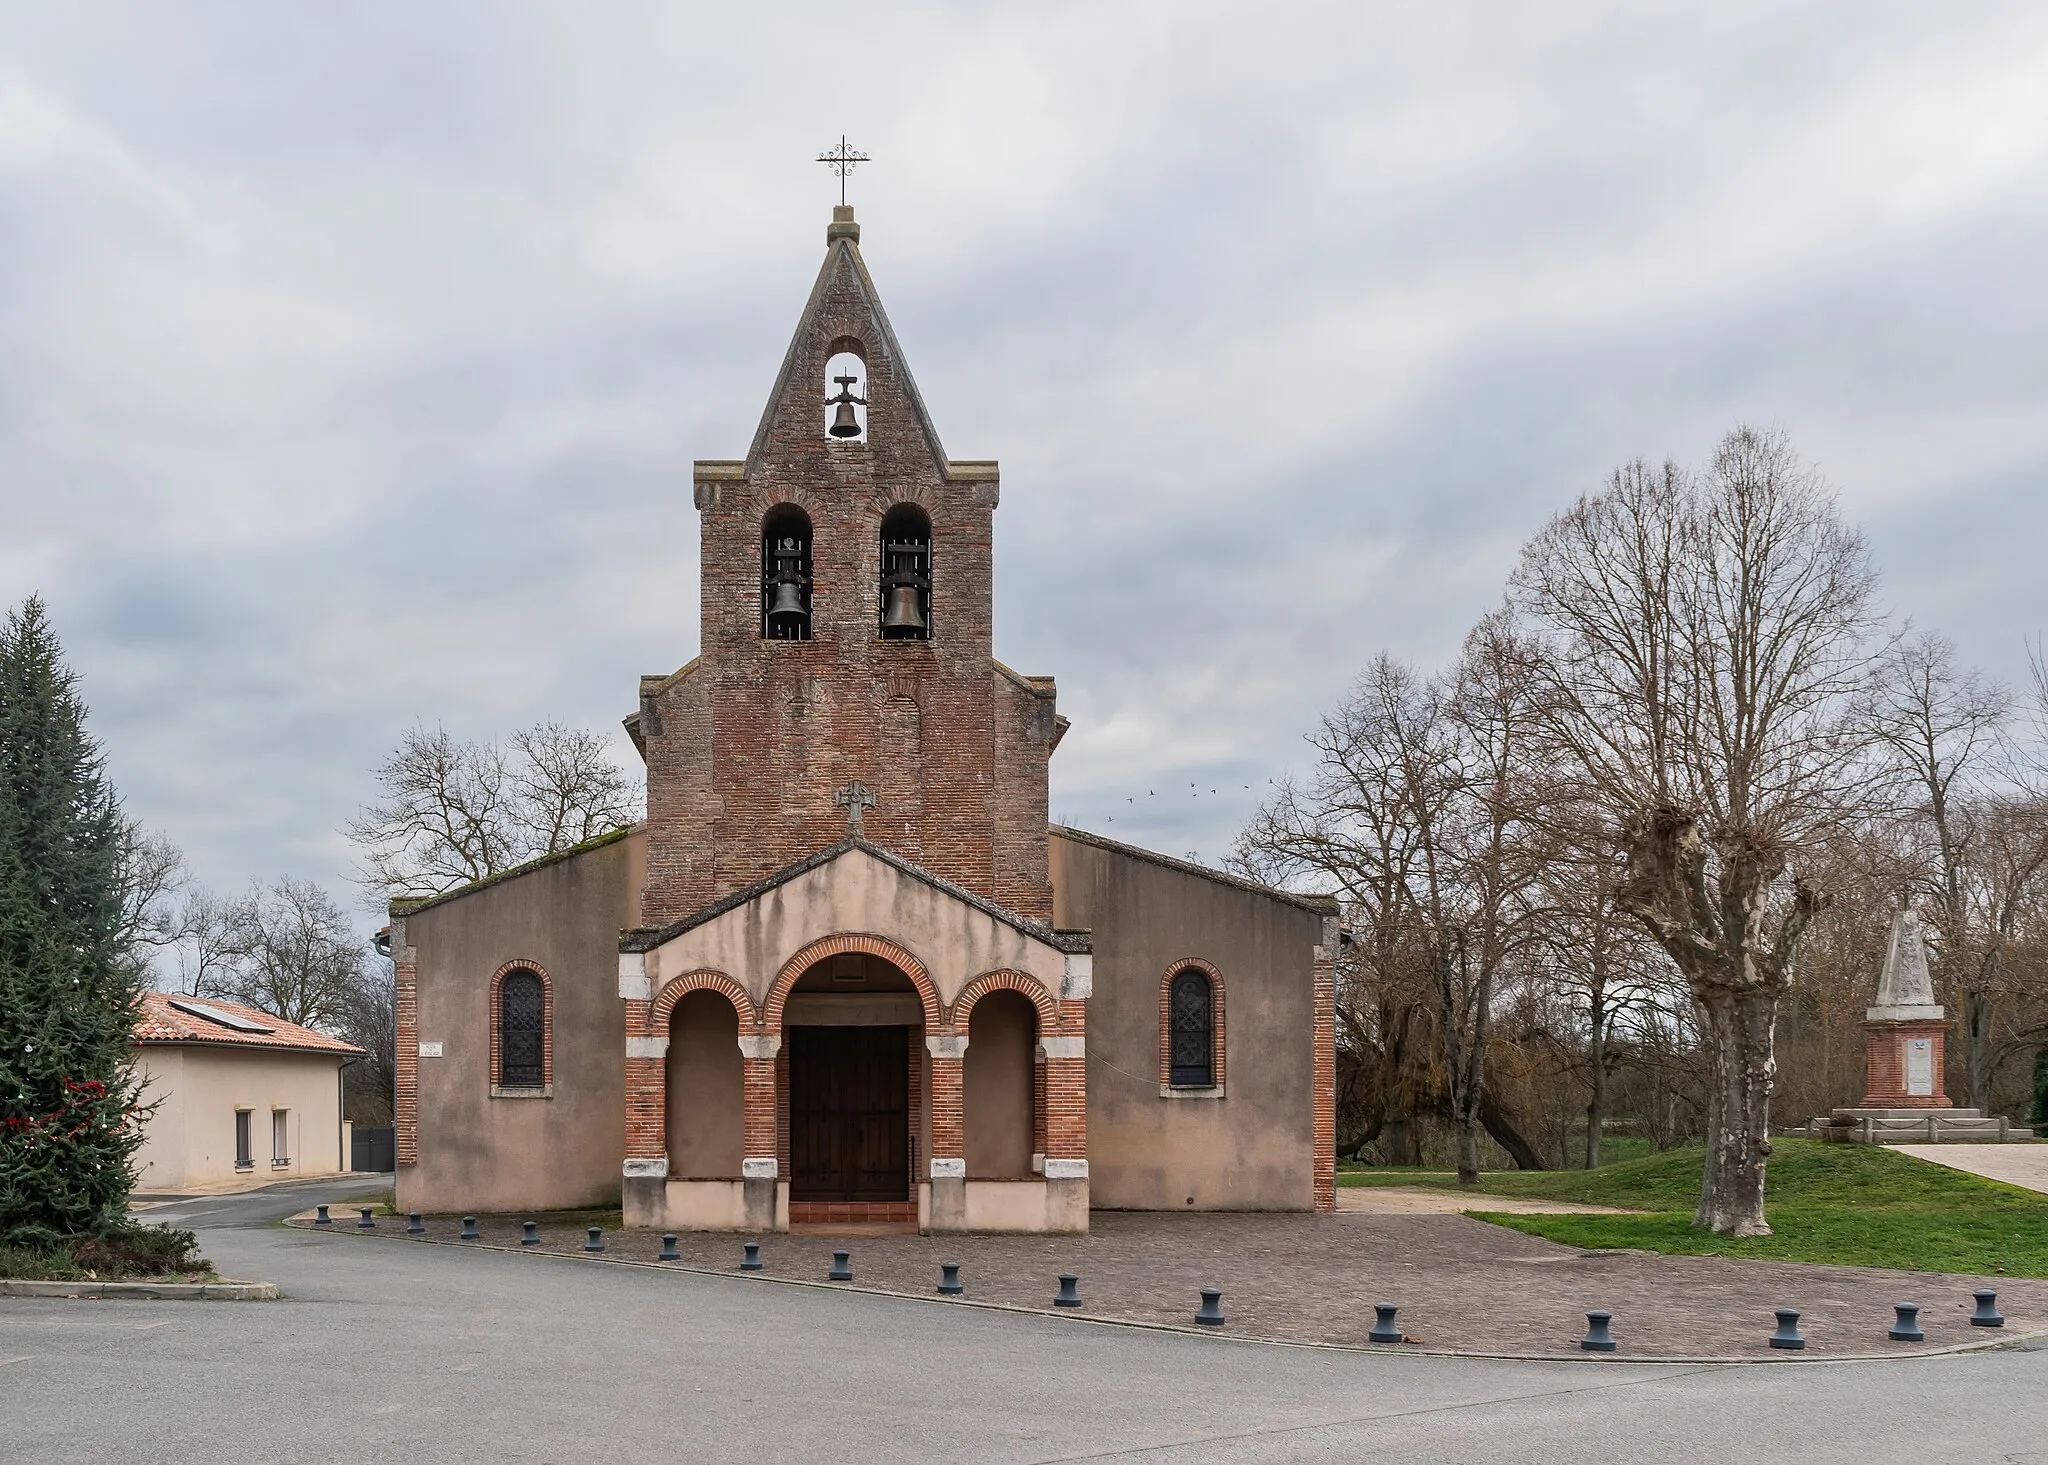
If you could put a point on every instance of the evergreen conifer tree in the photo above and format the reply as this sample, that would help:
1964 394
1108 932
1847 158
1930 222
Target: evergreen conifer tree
69 1118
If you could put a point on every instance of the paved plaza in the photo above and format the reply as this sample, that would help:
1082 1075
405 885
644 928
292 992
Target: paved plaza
1460 1284
389 1351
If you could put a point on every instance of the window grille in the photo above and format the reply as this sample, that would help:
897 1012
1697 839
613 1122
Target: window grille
521 1040
1191 1032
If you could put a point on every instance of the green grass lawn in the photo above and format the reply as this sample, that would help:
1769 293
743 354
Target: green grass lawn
1854 1205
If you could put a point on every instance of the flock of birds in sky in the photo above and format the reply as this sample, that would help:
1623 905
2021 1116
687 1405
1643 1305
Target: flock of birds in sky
1194 792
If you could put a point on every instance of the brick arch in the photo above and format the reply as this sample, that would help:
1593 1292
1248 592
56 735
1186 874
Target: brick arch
1005 980
1216 1047
547 1018
826 946
677 988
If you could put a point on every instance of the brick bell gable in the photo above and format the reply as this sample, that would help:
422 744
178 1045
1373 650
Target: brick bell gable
745 745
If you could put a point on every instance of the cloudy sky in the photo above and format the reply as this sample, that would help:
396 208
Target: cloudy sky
353 358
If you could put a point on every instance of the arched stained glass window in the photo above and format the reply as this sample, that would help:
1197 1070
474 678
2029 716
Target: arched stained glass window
1191 1030
522 1038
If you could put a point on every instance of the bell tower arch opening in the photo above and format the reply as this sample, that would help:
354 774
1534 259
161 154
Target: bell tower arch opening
906 588
786 574
846 391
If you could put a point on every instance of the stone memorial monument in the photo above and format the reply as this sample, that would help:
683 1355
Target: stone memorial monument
1904 1101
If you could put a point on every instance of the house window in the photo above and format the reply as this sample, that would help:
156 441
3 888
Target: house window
522 1031
1191 1030
280 1143
245 1145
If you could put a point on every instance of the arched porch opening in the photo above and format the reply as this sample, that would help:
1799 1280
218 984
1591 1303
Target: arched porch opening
705 1089
1000 1086
851 1085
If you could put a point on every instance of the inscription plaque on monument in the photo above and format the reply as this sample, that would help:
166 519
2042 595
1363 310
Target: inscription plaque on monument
1919 1066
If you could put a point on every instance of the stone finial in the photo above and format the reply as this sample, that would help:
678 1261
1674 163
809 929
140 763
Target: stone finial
1905 990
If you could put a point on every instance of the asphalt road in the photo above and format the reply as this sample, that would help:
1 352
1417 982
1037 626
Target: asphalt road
387 1351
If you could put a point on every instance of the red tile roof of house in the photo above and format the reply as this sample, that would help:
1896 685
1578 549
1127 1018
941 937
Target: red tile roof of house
167 1018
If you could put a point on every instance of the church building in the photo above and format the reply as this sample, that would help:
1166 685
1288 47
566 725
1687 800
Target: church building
846 971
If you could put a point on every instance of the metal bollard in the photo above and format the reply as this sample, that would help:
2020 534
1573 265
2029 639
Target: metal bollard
1987 1314
949 1279
750 1261
469 1231
1069 1294
412 1224
668 1248
323 1219
596 1239
1598 1339
1906 1328
366 1224
842 1267
1383 1329
529 1233
1210 1312
1787 1335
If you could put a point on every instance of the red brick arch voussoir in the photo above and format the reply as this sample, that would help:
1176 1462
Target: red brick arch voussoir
1215 1013
703 980
825 946
1005 979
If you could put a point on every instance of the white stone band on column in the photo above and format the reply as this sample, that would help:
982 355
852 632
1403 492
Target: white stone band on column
1064 1047
647 1169
758 1169
647 1047
1066 1169
1078 984
948 1169
766 1046
947 1045
633 984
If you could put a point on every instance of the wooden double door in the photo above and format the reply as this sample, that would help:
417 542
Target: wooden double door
849 1113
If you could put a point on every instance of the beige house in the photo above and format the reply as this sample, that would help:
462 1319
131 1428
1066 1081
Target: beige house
241 1096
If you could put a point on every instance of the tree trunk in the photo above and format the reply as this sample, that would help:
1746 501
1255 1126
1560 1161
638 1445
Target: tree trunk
1977 1059
1507 1136
1740 1028
1596 1102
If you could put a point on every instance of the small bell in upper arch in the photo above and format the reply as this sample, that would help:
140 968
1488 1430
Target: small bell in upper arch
844 423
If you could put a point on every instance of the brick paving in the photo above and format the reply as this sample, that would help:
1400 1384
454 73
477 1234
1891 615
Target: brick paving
1460 1284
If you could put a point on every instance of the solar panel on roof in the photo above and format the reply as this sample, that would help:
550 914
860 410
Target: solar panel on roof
233 1020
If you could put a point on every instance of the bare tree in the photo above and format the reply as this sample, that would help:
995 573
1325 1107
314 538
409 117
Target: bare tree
301 960
1942 722
1706 640
453 812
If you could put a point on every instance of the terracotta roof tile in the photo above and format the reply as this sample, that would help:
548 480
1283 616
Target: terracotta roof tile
164 1020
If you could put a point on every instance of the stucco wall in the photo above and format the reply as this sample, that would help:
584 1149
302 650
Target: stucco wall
859 893
477 1152
1254 1147
190 1139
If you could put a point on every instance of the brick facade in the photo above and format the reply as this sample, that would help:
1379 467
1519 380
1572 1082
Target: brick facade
1884 1059
746 745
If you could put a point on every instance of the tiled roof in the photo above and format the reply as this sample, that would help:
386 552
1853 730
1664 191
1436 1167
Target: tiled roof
164 1020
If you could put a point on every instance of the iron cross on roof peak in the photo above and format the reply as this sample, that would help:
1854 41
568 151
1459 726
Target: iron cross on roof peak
854 798
843 160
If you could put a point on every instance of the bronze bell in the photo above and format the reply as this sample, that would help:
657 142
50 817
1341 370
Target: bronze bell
900 612
788 602
844 423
